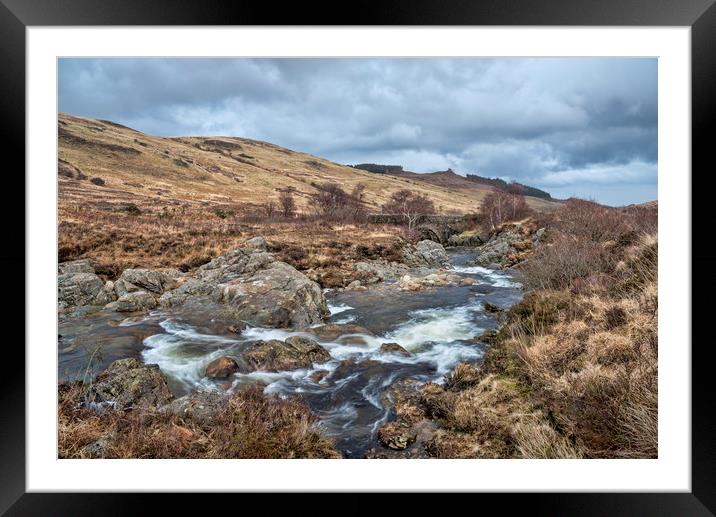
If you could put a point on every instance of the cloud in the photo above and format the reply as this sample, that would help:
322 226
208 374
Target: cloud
531 120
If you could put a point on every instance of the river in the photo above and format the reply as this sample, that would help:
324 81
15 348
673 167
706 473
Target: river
437 326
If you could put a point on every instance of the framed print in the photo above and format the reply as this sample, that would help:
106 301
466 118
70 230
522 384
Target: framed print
415 253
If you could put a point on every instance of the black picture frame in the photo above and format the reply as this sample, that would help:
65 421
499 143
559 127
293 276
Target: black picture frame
700 15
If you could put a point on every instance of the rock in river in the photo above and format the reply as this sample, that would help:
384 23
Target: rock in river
426 254
275 355
222 367
133 302
130 383
393 348
256 288
77 285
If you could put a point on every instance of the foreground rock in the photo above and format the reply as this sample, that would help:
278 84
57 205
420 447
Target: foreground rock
397 435
202 407
147 280
255 288
410 283
129 383
134 302
78 285
333 331
275 355
426 254
222 368
508 246
394 348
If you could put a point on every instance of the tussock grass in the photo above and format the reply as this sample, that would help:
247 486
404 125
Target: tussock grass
250 425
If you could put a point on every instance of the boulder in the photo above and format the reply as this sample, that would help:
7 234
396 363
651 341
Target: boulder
75 266
426 254
318 376
134 302
255 288
190 288
277 296
129 383
333 331
77 289
275 355
379 270
201 407
465 239
396 435
222 368
237 328
133 280
492 308
258 243
393 348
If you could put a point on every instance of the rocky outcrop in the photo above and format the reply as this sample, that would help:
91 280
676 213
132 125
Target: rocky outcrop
129 383
75 266
256 288
332 331
508 246
133 302
396 435
275 355
202 407
380 270
466 239
222 368
411 283
258 243
426 254
190 288
393 348
78 285
276 296
134 280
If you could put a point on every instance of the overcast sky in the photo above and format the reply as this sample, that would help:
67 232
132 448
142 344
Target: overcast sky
584 127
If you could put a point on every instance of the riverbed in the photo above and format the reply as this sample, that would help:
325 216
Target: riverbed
438 327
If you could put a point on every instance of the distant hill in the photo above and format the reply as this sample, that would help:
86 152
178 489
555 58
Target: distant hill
104 162
514 186
450 179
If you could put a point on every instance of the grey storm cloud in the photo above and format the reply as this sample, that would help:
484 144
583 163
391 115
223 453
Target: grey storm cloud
573 126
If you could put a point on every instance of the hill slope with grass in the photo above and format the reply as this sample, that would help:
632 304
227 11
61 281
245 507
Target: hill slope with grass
103 161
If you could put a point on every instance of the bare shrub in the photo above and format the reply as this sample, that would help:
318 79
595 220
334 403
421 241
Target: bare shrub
269 209
499 207
332 203
557 264
589 220
411 206
287 204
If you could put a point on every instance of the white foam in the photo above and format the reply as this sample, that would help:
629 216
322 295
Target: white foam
441 325
496 278
337 309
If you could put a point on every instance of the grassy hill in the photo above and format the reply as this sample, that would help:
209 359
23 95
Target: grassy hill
223 170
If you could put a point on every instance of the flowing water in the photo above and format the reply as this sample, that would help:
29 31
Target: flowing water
437 326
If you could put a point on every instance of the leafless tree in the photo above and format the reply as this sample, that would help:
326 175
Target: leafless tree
288 204
410 205
499 207
269 209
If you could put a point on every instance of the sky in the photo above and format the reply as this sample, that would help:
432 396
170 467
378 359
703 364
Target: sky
582 127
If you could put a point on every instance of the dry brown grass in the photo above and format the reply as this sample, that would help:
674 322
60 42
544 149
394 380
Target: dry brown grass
188 235
251 425
572 374
227 170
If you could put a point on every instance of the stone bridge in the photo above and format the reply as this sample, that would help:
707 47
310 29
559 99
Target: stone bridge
437 228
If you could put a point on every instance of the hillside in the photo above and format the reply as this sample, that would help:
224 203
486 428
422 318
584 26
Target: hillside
222 170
